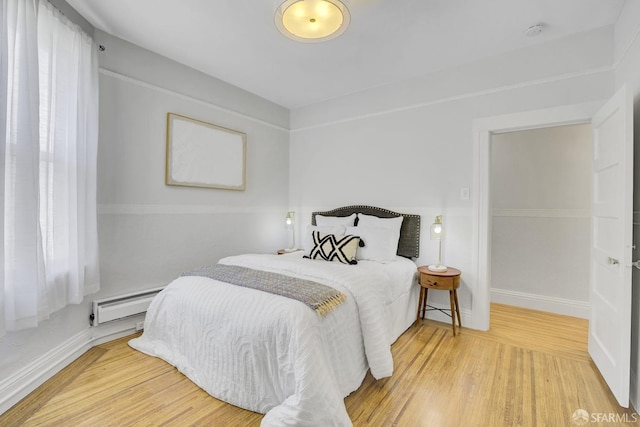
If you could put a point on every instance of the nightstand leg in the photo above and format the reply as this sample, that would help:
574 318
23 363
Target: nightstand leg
420 303
453 312
424 302
455 297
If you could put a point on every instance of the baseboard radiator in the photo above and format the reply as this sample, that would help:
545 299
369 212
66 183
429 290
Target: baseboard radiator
119 307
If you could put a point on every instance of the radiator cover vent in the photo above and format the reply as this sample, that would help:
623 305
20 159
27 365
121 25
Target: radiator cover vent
121 306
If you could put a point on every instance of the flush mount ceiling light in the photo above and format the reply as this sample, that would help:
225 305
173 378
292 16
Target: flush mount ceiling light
312 21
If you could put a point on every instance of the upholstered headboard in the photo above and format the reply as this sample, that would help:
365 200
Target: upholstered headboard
409 244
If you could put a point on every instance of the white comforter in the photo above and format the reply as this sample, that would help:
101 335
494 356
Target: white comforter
271 354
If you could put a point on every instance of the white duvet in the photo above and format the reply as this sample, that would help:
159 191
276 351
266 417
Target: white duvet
272 354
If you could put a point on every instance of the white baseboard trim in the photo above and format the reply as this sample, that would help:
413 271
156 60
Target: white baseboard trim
556 305
17 386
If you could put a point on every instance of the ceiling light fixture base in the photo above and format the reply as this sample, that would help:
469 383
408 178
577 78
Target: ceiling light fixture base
311 21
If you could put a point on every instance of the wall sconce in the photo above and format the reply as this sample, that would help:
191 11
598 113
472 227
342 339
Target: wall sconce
290 220
437 233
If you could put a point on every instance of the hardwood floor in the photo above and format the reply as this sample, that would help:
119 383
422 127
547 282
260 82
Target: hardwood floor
530 369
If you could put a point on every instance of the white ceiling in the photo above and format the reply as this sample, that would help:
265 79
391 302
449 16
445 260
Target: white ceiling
387 40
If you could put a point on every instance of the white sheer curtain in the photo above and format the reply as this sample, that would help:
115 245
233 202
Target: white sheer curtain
49 120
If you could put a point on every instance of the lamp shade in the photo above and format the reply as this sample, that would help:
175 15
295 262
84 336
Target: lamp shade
312 21
289 221
290 218
437 229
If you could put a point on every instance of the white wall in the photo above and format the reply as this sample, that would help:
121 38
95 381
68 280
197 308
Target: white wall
627 72
541 196
150 232
409 146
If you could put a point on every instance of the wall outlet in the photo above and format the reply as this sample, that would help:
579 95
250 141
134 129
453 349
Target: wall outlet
139 326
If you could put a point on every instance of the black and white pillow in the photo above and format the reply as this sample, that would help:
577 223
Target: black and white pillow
307 238
332 247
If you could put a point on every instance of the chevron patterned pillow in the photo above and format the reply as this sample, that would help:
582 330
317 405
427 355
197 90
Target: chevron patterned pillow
332 247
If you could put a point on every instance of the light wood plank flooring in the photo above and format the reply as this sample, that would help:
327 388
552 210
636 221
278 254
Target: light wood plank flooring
530 369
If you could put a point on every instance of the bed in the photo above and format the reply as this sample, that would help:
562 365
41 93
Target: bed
274 355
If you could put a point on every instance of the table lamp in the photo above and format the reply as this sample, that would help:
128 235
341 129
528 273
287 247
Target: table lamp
290 221
437 233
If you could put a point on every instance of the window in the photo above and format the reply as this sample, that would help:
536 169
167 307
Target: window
49 121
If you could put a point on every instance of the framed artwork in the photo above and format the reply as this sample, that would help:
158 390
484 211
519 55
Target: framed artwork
201 154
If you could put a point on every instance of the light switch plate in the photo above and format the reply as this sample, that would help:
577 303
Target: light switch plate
464 193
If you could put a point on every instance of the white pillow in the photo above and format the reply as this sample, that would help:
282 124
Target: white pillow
307 239
392 224
347 221
380 244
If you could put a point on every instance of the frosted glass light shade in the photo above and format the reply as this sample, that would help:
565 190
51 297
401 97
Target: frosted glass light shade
289 221
312 20
437 230
290 218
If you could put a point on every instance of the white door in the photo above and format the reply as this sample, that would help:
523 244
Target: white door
611 243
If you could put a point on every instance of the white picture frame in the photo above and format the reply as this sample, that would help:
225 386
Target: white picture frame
201 154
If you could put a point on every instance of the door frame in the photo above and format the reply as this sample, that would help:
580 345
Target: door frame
483 128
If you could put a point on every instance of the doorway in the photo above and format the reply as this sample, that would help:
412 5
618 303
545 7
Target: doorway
483 129
540 181
610 276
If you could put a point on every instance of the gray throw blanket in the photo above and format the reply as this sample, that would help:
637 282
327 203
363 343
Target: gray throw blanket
320 298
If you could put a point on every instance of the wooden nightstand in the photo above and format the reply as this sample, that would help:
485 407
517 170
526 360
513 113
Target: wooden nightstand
287 251
445 280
